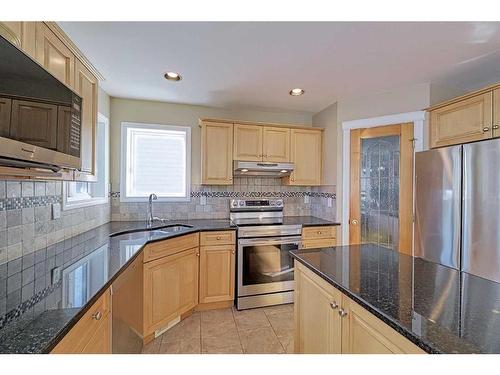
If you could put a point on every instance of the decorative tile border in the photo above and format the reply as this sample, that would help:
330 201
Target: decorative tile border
17 203
250 194
28 304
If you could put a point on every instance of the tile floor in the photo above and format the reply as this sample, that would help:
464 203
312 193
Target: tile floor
229 331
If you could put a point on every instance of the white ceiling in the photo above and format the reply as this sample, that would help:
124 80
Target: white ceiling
254 65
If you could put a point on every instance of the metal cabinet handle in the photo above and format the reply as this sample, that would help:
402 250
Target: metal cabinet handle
334 305
495 127
342 313
97 315
486 129
354 222
218 238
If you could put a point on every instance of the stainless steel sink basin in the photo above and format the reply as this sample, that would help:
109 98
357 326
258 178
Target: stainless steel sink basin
163 229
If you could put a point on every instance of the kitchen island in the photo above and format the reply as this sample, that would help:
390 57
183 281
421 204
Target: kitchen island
435 308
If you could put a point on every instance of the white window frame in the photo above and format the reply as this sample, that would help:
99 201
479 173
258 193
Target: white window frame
70 205
123 175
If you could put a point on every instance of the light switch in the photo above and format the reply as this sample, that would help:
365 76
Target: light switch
203 200
329 202
56 275
306 199
56 211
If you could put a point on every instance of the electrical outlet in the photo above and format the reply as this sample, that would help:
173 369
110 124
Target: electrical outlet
306 199
329 202
56 211
56 274
203 200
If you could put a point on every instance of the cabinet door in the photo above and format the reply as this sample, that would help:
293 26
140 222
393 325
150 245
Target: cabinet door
317 323
276 144
34 123
91 334
170 288
465 121
306 154
86 87
5 111
216 153
363 333
53 55
248 142
21 34
217 268
496 113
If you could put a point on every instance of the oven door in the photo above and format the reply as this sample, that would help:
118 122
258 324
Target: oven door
265 265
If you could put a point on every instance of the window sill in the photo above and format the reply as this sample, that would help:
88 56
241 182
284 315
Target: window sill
68 205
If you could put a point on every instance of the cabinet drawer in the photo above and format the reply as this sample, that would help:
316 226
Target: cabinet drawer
217 238
322 242
171 246
83 335
312 233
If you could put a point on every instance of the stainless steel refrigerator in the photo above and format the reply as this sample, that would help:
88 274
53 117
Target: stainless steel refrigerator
457 207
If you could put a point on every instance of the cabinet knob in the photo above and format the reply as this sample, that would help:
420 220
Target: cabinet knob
495 127
230 178
218 238
342 313
354 222
334 305
197 254
232 252
486 129
319 232
97 315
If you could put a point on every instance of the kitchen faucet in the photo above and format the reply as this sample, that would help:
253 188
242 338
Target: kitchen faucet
150 218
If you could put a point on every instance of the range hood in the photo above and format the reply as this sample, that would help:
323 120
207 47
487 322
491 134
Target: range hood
262 169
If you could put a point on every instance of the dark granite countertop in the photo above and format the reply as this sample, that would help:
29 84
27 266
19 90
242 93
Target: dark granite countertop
88 264
41 309
440 309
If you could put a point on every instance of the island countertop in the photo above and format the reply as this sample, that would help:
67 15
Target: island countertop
440 309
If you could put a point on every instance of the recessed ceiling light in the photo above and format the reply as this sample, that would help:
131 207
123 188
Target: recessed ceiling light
172 76
297 92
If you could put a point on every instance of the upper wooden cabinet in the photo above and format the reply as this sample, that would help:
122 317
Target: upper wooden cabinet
327 321
216 153
306 154
468 118
247 142
21 34
5 113
276 144
54 55
86 86
261 143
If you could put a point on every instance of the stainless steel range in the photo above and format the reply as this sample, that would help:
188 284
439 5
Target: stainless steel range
264 265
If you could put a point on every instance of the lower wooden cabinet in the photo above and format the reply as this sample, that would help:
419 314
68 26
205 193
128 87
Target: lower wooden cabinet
170 288
92 333
217 272
327 321
320 236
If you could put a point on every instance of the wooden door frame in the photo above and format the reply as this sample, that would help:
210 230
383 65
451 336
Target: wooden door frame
417 118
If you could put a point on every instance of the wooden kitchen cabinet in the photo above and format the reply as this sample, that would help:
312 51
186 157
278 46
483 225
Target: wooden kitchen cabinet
306 154
170 288
320 236
5 113
276 144
317 324
21 34
34 123
463 121
217 273
327 321
54 55
216 153
496 113
86 85
92 333
248 142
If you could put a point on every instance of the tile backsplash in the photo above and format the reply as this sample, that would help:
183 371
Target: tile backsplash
26 223
212 202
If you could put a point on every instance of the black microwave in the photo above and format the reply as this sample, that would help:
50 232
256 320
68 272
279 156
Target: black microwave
40 117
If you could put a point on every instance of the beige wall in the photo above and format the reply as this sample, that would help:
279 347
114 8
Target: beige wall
182 115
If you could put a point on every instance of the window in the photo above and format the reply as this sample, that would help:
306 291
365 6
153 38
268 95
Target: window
81 194
155 159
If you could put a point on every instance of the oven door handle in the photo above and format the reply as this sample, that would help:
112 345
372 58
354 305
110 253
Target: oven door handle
270 241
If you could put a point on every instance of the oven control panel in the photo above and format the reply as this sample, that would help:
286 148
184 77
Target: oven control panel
256 203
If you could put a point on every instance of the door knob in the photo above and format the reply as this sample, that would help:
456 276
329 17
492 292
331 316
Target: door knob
334 305
354 222
342 313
